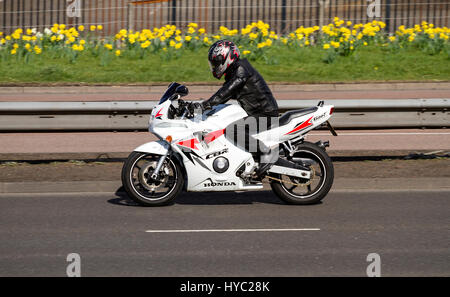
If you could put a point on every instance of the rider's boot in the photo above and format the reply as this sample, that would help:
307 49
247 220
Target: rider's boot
266 160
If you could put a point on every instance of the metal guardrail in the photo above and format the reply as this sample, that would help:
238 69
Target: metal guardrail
133 115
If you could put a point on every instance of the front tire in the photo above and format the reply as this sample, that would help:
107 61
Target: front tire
320 159
139 186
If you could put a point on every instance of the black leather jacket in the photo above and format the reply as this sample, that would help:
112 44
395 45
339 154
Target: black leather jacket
244 83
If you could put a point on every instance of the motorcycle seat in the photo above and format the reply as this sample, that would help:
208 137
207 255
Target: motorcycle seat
288 116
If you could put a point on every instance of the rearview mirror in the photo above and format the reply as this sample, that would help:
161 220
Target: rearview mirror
182 90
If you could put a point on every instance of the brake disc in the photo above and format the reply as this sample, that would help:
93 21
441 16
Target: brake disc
144 176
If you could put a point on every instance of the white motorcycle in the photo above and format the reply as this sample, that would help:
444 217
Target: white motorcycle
193 154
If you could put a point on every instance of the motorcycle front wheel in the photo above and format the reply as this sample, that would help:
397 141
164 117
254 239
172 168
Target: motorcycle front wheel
295 190
141 188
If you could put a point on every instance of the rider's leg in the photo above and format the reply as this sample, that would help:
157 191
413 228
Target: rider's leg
240 134
267 156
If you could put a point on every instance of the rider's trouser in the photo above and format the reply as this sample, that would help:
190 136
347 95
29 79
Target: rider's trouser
240 133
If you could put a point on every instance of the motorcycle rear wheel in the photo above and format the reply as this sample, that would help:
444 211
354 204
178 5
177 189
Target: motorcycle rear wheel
314 193
137 182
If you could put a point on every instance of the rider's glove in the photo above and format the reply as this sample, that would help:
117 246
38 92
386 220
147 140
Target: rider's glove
206 105
195 106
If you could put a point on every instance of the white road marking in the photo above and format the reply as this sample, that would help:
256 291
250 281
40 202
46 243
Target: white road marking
232 230
382 134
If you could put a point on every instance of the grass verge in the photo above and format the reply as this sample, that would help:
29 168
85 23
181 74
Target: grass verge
303 65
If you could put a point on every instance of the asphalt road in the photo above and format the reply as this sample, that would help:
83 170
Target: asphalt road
409 230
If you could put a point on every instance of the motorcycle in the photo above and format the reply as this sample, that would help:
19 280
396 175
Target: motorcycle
194 154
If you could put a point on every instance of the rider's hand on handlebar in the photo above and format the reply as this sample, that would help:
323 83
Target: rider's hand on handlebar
194 107
182 107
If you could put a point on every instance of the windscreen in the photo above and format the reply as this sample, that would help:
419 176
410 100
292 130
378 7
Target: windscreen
169 92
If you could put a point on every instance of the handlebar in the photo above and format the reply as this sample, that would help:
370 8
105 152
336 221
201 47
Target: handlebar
183 109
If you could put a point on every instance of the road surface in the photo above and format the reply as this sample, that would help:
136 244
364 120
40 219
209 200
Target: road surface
409 230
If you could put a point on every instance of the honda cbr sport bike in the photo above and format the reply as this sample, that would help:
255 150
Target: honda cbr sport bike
194 155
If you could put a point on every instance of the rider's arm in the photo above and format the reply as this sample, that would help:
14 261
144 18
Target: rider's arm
229 89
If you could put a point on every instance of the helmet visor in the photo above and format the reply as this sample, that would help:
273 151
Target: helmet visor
216 68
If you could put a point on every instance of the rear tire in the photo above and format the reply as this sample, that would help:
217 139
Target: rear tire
139 192
326 180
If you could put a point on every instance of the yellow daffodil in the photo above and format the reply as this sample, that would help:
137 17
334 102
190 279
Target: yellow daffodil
146 44
37 50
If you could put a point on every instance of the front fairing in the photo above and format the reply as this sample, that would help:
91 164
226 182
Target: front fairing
162 126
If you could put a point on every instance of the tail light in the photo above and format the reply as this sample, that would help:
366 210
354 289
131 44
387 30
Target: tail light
331 110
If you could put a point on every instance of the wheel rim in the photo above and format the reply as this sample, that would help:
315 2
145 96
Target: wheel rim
306 189
144 186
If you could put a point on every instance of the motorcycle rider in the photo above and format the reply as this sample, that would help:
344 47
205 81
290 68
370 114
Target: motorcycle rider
244 83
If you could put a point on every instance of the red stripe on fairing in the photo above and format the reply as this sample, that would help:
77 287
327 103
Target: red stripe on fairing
210 137
158 114
304 125
190 143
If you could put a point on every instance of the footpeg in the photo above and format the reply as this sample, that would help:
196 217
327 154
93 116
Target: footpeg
323 144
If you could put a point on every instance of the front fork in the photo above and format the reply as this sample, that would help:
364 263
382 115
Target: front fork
161 160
